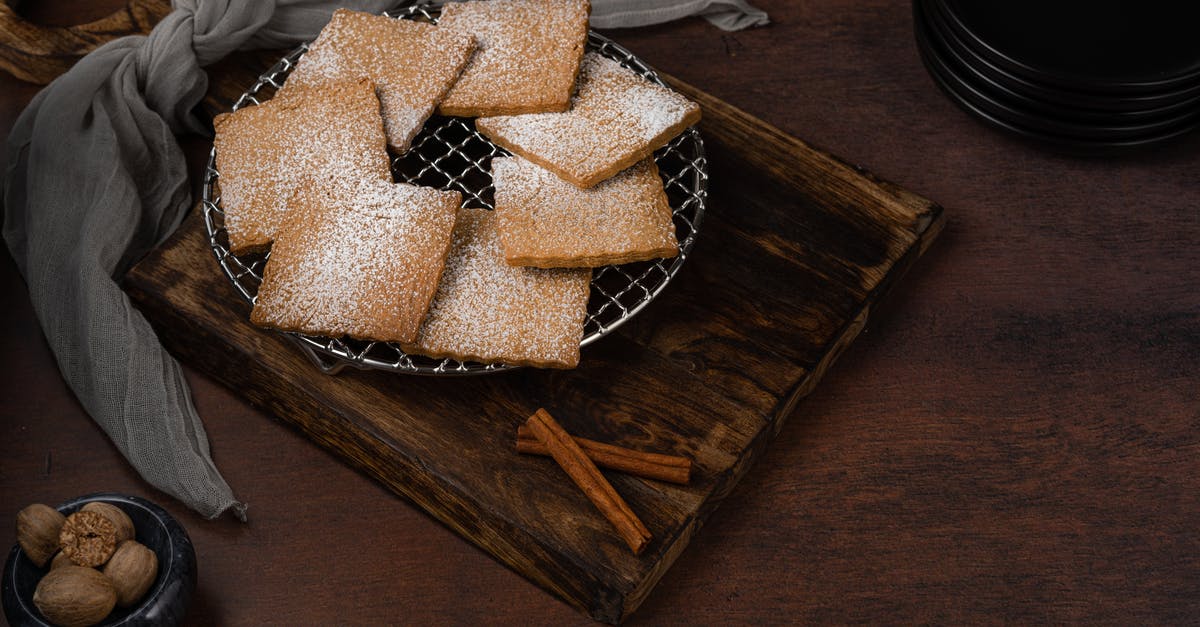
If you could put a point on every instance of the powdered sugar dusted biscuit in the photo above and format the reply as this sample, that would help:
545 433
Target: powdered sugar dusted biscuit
616 119
547 222
363 260
527 57
264 152
411 63
488 311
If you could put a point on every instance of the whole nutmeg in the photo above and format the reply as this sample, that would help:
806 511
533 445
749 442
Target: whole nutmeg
60 560
88 538
132 570
116 515
75 596
38 527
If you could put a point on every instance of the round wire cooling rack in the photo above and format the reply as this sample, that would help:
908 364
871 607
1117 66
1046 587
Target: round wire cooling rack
450 154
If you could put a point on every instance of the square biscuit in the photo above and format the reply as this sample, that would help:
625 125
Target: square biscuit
362 260
527 56
488 311
616 119
264 152
412 64
547 222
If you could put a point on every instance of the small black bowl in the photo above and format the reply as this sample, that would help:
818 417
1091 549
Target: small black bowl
164 604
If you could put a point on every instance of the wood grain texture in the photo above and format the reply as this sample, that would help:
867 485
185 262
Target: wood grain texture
1013 438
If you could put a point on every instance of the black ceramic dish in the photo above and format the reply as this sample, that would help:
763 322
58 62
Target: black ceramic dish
1056 101
1110 46
164 604
1054 143
952 87
1000 104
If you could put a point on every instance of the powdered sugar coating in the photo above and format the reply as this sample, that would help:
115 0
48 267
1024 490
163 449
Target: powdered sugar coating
264 152
412 64
547 222
527 56
616 119
488 311
362 260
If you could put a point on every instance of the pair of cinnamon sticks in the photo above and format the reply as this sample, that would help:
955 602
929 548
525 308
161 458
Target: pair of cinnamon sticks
578 457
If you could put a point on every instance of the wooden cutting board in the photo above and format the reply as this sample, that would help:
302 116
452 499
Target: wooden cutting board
796 249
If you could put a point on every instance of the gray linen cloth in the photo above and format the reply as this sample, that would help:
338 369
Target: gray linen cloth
96 179
724 14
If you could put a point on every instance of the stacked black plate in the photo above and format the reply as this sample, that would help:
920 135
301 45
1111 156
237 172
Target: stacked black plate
1088 77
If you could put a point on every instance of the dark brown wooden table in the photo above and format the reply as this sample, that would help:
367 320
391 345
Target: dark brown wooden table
1015 438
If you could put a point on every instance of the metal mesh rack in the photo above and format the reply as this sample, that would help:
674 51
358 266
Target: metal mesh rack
449 154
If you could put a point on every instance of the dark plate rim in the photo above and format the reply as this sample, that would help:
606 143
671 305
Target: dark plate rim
1068 145
1189 77
1087 105
997 106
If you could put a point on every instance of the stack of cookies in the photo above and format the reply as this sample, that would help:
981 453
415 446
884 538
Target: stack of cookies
306 174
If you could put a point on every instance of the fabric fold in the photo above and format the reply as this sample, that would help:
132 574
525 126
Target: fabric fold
729 15
95 179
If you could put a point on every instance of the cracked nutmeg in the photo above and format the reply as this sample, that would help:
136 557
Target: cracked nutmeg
88 538
119 518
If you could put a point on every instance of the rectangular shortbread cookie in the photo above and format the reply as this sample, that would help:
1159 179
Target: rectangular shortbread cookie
616 119
547 222
264 152
412 64
527 55
488 311
361 260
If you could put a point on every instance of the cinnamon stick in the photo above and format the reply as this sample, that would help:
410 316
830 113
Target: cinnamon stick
669 468
584 473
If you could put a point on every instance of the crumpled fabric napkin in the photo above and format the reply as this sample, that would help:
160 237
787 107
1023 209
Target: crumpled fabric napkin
96 179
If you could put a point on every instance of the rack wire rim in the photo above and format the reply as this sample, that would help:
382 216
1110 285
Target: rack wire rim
330 355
